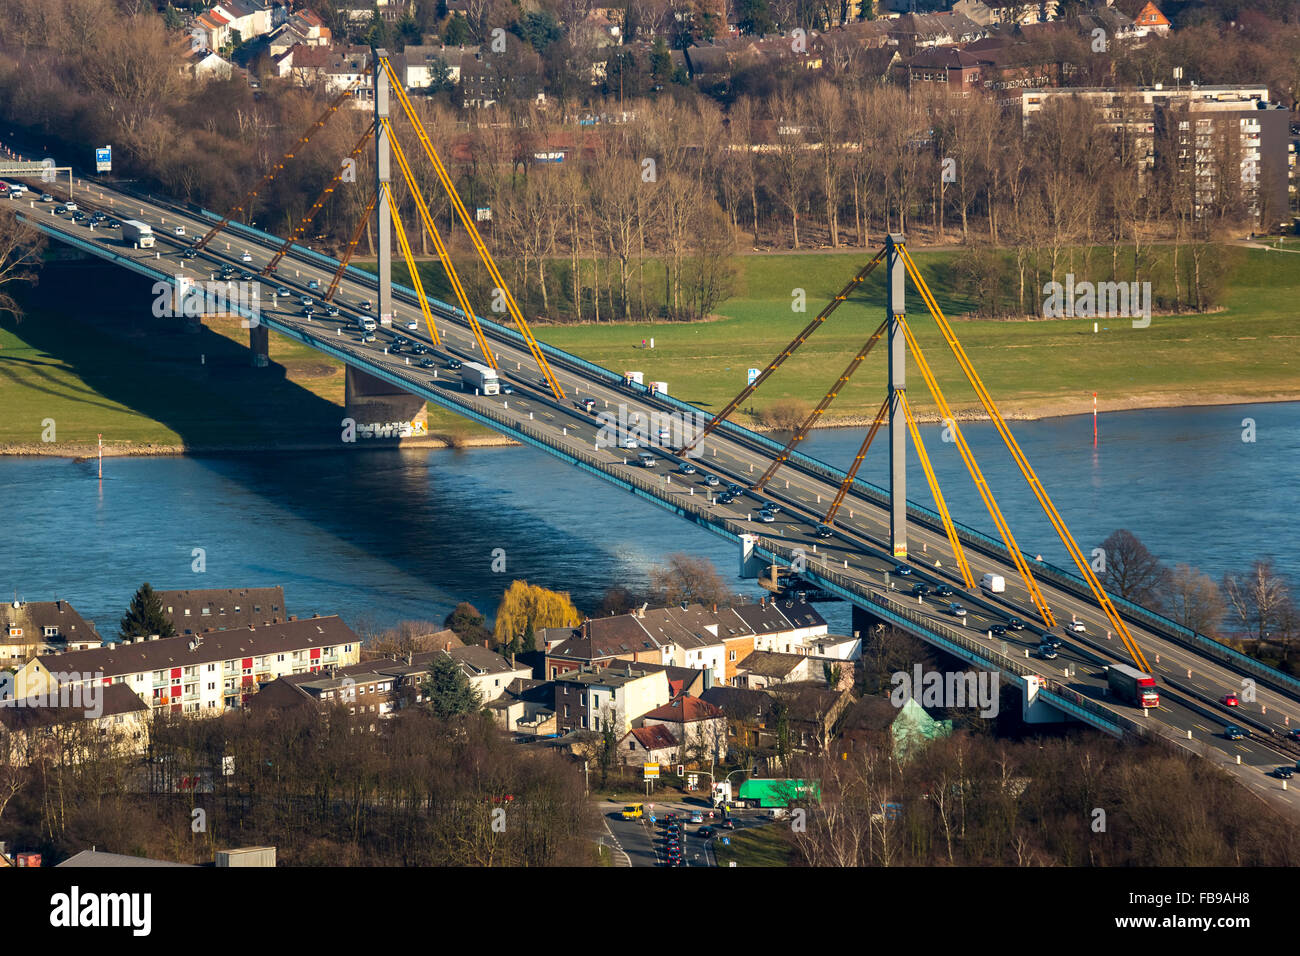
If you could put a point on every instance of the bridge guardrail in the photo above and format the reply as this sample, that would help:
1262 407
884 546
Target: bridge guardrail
1062 578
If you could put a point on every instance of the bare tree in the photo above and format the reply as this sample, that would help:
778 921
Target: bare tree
1260 601
1131 571
1193 600
20 256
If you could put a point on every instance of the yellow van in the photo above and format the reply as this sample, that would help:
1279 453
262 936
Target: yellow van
633 811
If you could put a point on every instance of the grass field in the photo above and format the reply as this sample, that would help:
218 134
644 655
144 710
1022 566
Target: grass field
1246 352
770 845
142 384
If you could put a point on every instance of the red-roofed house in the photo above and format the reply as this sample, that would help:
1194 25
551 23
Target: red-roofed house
702 726
654 744
1151 20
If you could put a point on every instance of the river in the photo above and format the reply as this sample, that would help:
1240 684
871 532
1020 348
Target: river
384 536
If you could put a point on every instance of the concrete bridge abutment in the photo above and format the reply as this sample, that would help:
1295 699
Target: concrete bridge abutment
371 400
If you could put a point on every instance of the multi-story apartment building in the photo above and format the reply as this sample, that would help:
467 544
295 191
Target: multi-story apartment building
216 609
585 700
203 673
695 637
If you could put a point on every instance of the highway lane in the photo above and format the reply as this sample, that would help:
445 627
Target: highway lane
861 536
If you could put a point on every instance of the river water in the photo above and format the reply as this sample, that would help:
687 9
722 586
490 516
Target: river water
384 536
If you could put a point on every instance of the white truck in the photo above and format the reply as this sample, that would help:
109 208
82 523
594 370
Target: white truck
994 583
476 375
137 233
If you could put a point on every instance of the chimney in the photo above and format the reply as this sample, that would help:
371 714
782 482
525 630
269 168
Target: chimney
447 646
409 658
715 607
485 643
512 660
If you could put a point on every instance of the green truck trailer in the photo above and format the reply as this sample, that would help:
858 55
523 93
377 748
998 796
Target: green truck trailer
773 793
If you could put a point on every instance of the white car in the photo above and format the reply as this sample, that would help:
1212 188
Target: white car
247 256
1078 627
629 442
70 206
413 325
180 230
46 197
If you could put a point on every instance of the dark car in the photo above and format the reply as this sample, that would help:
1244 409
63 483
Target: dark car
1284 773
453 364
114 224
1015 624
998 630
1052 640
1233 732
1293 734
189 254
727 824
427 362
507 388
735 489
705 833
920 590
944 590
246 276
824 531
902 570
1046 652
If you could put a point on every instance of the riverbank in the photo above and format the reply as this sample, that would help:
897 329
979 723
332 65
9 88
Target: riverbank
84 452
151 388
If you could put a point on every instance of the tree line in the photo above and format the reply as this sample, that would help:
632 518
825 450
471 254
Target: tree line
643 219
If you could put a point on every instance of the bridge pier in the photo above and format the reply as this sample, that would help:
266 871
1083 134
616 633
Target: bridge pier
751 565
369 400
259 343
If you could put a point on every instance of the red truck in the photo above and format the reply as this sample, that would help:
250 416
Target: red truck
1133 686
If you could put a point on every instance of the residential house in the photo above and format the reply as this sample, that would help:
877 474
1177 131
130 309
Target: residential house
215 609
421 64
28 628
747 713
304 27
763 669
699 726
586 700
527 708
36 727
654 743
1151 21
202 673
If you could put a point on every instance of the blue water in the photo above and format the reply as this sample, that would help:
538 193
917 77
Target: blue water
384 536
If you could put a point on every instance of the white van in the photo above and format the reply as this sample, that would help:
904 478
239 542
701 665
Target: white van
647 459
994 583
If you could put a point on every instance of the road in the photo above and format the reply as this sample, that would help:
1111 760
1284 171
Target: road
858 548
645 843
